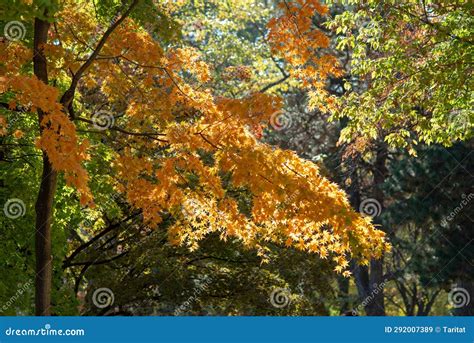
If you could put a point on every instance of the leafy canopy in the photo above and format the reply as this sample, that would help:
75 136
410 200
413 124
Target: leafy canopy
411 70
176 146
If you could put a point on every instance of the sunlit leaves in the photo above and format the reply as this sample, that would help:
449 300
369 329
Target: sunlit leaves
411 67
179 148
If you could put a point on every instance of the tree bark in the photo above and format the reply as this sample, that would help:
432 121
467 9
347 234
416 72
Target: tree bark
376 307
47 189
44 201
370 280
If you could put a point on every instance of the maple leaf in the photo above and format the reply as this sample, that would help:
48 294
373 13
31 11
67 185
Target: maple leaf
179 147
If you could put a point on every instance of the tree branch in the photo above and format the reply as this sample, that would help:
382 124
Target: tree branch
67 262
115 128
68 96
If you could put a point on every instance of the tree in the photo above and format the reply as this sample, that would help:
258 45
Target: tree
431 218
400 87
172 142
413 62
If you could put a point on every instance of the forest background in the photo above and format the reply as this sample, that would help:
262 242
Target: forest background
245 157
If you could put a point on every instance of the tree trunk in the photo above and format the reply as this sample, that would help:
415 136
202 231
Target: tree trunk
376 307
354 198
370 281
44 216
44 201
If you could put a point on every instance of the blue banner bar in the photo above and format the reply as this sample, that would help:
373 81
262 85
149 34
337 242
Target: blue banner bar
238 329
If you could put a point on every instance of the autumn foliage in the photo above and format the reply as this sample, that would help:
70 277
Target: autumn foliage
178 146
